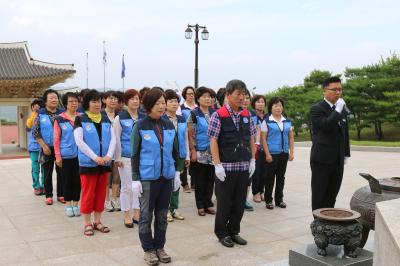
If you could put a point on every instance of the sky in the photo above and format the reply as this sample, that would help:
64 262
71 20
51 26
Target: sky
265 43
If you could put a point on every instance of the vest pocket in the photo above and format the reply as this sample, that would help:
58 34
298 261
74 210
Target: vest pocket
146 169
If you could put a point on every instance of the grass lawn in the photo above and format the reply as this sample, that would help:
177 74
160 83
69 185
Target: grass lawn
391 135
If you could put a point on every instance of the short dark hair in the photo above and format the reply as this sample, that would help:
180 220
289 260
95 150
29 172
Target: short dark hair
47 92
235 84
91 95
64 99
38 102
221 96
331 80
185 91
120 96
171 94
158 88
110 93
199 92
83 92
213 94
275 100
256 98
143 91
129 94
151 97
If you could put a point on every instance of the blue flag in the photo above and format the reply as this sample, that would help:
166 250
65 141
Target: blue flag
123 68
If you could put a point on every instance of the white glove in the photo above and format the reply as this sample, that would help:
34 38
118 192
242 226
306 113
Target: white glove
252 167
220 172
177 181
137 188
339 105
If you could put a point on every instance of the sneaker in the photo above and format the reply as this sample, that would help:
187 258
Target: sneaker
69 212
76 210
169 217
163 256
178 216
37 191
248 207
150 257
49 201
108 206
42 192
116 203
186 189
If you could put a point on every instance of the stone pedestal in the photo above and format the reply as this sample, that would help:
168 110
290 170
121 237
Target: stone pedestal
306 255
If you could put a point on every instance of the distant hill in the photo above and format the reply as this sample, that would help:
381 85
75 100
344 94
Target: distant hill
9 113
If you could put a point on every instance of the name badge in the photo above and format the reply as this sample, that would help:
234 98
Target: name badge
245 120
146 136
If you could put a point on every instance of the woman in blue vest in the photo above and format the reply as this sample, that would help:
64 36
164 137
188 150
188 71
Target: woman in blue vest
258 103
180 124
278 142
95 139
154 175
186 107
34 150
123 126
43 134
66 153
110 101
201 167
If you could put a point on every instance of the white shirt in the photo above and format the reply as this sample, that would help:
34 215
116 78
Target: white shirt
264 127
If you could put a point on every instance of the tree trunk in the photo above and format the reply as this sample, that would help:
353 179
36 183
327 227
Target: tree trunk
376 129
380 130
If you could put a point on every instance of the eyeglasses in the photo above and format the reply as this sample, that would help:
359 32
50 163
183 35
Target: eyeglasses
336 90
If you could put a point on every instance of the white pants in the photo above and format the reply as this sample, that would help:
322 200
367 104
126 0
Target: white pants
128 200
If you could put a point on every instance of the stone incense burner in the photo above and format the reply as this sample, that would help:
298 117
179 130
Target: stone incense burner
365 198
337 227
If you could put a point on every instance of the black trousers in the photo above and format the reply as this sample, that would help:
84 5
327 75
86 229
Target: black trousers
275 170
48 166
258 178
192 169
184 176
326 180
72 180
231 195
205 176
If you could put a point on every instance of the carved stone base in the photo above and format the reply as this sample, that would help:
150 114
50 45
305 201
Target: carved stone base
347 234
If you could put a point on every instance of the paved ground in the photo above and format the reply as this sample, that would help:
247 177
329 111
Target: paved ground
32 233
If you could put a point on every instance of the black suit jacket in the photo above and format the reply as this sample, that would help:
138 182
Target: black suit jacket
330 142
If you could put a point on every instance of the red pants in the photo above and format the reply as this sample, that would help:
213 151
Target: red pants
93 192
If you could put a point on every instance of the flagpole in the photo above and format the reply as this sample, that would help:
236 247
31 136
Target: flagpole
87 70
104 66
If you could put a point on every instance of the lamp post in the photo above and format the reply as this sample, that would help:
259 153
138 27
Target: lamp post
204 36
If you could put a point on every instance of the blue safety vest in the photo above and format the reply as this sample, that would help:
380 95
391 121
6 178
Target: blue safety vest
68 148
127 123
33 145
156 160
181 132
185 111
91 138
46 126
277 140
202 140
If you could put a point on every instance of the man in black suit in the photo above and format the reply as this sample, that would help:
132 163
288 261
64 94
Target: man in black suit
330 144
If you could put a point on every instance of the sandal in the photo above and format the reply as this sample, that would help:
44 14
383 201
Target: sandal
88 230
101 228
269 206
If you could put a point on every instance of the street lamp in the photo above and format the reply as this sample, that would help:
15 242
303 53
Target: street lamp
204 36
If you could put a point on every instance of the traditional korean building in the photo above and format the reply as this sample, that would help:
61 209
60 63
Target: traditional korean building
23 78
